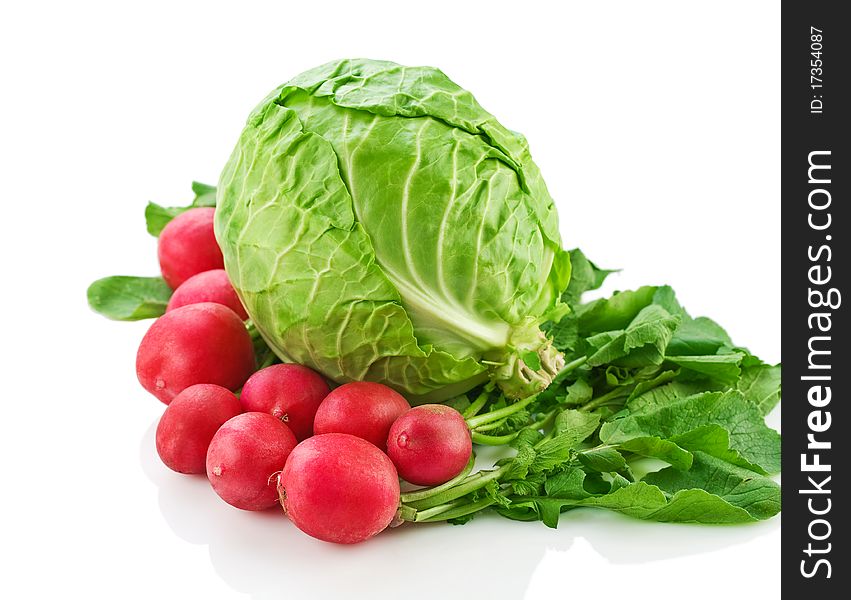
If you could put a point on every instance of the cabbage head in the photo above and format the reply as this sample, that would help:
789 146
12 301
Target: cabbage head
378 224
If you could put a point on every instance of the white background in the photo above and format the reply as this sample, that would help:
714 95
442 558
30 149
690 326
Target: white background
656 125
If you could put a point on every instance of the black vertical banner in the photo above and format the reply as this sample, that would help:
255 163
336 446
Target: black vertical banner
816 224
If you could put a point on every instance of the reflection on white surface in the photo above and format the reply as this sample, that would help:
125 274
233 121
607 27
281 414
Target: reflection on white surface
264 556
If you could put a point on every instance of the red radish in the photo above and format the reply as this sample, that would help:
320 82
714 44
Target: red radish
198 343
339 488
244 457
190 422
188 246
209 286
429 444
361 408
289 392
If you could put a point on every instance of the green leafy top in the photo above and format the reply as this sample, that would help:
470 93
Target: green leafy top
157 217
643 380
125 298
131 298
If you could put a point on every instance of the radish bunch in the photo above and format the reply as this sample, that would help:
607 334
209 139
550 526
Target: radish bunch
331 458
346 462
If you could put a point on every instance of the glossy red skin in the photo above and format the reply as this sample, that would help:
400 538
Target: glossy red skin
209 286
189 424
339 488
244 457
187 246
198 343
361 408
289 392
429 444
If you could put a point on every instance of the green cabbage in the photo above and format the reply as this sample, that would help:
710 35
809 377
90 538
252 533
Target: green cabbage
380 225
